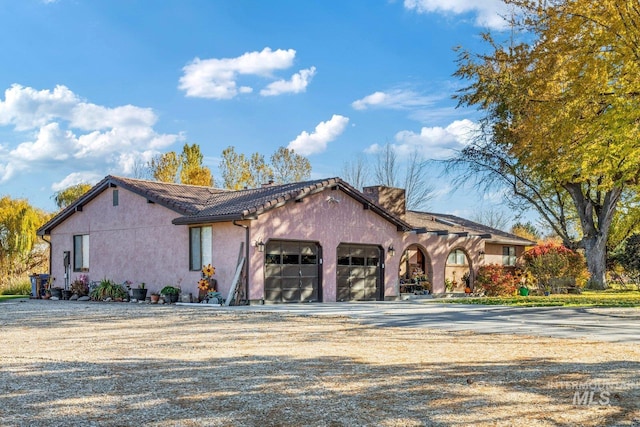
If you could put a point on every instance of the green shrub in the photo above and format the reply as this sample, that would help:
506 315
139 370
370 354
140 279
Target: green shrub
497 280
16 287
108 289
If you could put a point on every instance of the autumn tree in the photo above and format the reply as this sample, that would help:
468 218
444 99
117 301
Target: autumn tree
526 230
561 115
192 171
185 168
66 196
20 251
165 167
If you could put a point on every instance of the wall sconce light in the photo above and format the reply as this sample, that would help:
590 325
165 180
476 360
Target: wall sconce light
391 250
260 246
481 253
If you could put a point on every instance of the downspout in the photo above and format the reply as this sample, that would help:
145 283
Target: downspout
50 255
246 262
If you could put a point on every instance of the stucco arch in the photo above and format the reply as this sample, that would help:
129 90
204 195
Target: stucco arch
415 262
458 263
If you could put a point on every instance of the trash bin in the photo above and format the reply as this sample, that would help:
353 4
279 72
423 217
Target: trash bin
524 291
38 282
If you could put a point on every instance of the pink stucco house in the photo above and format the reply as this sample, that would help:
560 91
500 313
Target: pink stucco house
313 241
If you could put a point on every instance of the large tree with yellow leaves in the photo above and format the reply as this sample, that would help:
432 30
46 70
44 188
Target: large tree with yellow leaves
561 114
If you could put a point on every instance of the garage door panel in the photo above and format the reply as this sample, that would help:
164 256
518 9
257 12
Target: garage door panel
291 295
343 292
290 271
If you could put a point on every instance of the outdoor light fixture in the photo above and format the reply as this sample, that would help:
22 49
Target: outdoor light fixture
481 253
260 246
392 251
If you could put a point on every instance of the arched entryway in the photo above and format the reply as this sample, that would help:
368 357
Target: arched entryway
457 271
415 271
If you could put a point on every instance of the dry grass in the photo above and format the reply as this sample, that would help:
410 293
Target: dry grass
67 364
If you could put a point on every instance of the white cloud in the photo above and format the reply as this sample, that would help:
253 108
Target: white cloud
397 99
76 178
297 84
489 13
316 142
63 131
216 78
433 142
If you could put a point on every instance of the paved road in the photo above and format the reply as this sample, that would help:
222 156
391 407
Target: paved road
600 324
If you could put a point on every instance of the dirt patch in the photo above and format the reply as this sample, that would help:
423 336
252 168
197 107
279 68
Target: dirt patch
115 364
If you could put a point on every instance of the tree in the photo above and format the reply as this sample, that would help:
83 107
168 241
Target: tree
235 169
491 218
526 230
186 167
355 172
19 249
164 167
65 197
387 172
192 171
287 166
561 115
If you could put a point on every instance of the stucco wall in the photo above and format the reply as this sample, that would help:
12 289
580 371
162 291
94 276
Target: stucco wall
330 223
132 241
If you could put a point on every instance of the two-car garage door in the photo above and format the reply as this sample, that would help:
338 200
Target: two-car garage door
292 272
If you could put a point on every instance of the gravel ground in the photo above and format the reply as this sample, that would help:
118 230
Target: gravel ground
118 364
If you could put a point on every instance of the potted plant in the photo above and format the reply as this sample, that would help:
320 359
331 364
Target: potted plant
155 297
139 293
107 289
170 294
56 292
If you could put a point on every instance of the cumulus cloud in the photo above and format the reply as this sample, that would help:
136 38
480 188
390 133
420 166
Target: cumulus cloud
397 99
489 13
316 142
217 78
433 142
298 83
65 132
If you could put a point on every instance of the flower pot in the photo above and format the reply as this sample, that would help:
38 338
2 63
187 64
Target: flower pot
155 298
56 292
66 294
170 298
139 294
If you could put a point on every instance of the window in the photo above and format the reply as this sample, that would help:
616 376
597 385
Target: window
509 255
457 257
200 244
115 197
81 252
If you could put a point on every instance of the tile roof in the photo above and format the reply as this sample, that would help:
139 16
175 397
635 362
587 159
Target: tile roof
434 222
198 204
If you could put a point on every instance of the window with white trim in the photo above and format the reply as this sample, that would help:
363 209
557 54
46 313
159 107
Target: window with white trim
457 257
200 245
81 252
509 255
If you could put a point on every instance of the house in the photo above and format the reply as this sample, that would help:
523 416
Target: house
313 241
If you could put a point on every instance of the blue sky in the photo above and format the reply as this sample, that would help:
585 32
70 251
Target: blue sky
92 87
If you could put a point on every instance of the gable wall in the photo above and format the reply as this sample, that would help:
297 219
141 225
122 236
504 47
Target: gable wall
132 241
317 219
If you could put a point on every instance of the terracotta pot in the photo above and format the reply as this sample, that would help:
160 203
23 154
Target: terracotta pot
155 298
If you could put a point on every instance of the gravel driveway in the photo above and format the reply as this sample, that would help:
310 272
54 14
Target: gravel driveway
118 364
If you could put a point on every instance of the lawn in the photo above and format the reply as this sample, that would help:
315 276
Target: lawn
608 298
9 297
